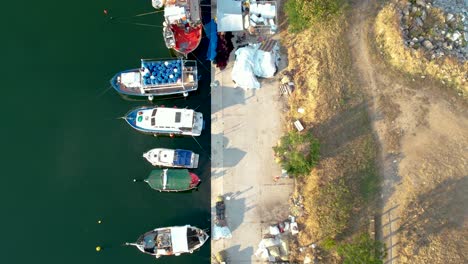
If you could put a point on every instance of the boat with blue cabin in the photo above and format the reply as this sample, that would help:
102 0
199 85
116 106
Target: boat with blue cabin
172 158
165 121
158 78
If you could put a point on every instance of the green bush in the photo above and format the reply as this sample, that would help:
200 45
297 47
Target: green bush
303 13
298 153
363 249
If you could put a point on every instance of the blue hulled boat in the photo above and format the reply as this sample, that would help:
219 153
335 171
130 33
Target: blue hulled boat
165 121
158 78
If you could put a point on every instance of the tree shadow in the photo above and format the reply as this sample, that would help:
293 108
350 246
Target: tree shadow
230 96
338 131
230 156
438 210
235 255
236 208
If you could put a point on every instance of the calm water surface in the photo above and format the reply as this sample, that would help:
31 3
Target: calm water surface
67 161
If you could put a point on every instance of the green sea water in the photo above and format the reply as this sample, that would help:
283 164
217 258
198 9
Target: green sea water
67 161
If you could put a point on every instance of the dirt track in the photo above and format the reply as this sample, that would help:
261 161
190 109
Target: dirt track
422 131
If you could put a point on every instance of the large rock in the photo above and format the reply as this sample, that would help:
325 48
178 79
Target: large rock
427 44
419 22
455 36
449 17
421 2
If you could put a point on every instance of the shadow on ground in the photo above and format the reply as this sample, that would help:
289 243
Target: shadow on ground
440 209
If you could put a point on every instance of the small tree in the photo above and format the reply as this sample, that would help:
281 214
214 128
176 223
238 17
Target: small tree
297 152
363 249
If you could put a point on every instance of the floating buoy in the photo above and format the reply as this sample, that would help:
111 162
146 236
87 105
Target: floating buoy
105 11
171 135
98 248
99 221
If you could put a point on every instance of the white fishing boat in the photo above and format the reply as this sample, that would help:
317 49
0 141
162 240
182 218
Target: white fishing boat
172 158
165 121
171 241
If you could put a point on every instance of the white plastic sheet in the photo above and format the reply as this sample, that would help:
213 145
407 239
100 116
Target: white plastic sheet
242 72
251 62
221 232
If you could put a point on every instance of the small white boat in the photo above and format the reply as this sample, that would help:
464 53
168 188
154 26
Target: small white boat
171 241
172 158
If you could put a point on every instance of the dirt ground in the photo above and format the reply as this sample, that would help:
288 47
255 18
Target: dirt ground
422 132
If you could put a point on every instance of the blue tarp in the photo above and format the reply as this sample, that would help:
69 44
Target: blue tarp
182 157
211 29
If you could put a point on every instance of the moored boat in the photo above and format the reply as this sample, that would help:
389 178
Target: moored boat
172 180
165 121
174 158
158 78
182 24
171 241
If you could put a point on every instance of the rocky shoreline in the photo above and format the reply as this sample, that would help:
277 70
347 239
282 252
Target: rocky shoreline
439 27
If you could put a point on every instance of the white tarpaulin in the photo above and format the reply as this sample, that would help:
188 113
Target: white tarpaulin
221 232
242 72
179 239
251 62
229 16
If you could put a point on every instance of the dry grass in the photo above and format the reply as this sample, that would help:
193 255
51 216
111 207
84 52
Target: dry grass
389 38
338 192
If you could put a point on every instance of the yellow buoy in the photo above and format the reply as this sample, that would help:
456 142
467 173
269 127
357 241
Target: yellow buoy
98 248
99 221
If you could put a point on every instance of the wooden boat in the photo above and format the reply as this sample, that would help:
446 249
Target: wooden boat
158 78
182 24
165 121
171 241
173 158
167 180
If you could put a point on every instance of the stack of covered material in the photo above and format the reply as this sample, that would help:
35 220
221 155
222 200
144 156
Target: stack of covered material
251 61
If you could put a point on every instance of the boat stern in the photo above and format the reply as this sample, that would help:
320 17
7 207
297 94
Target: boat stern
195 180
198 124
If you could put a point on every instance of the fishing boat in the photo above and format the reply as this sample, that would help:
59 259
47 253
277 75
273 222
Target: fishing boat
165 121
182 29
167 180
174 158
158 78
171 241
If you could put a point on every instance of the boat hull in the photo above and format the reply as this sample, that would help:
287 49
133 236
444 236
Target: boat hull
186 41
148 243
131 119
140 85
172 180
156 158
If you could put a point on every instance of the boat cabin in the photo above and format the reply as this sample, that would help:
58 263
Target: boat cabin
169 120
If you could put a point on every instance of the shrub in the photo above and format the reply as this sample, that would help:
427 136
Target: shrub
297 153
303 13
363 249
